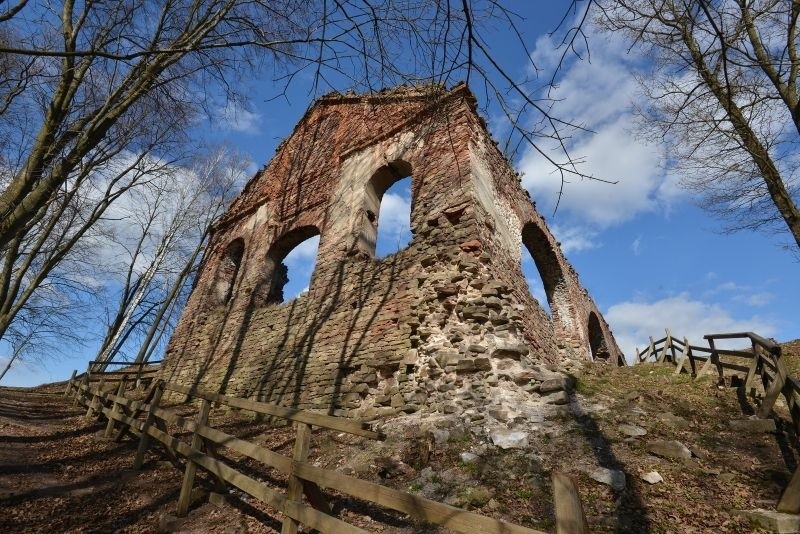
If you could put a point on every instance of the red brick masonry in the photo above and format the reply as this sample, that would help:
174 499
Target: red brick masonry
418 330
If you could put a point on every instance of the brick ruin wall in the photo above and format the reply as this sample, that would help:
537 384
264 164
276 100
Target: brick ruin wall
438 326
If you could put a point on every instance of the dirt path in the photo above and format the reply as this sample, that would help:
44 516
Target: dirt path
27 422
57 474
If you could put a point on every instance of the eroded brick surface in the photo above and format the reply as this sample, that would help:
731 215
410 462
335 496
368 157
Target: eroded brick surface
432 327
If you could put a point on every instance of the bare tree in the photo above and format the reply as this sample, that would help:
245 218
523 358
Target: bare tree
161 232
723 95
45 331
31 261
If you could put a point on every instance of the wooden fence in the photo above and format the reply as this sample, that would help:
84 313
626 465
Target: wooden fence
690 358
147 420
762 360
138 373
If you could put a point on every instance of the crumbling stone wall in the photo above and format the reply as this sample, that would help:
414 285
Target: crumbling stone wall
432 327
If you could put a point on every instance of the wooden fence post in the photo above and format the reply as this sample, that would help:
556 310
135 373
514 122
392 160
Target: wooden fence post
569 511
706 368
666 347
114 409
636 357
69 383
680 364
715 361
774 390
671 346
752 369
191 467
295 491
790 499
689 355
78 391
651 349
139 376
144 438
95 400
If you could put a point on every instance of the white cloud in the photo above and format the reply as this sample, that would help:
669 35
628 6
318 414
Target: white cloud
534 280
633 321
395 210
599 95
636 246
234 117
300 261
393 221
537 291
755 299
575 238
727 286
303 255
745 294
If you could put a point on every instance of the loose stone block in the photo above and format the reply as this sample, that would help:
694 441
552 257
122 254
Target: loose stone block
610 477
509 439
753 426
483 364
557 398
773 521
465 365
669 449
553 384
510 350
653 477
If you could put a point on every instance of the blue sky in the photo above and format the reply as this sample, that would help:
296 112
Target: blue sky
647 254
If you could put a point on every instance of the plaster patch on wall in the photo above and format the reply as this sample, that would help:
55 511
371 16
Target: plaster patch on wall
507 226
402 144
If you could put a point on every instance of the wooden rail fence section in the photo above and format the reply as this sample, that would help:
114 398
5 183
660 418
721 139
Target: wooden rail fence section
762 360
147 421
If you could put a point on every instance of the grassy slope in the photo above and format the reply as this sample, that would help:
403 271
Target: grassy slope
730 471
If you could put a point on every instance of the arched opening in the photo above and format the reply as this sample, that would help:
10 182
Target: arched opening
388 200
228 271
394 230
534 280
290 265
546 263
597 341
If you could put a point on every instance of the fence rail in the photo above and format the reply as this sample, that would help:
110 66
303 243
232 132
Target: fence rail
763 360
147 421
137 372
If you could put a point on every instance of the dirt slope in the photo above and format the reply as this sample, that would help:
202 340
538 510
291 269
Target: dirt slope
58 474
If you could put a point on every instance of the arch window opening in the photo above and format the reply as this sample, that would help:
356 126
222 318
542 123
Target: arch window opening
300 263
386 226
292 260
534 281
228 271
597 341
394 230
542 260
